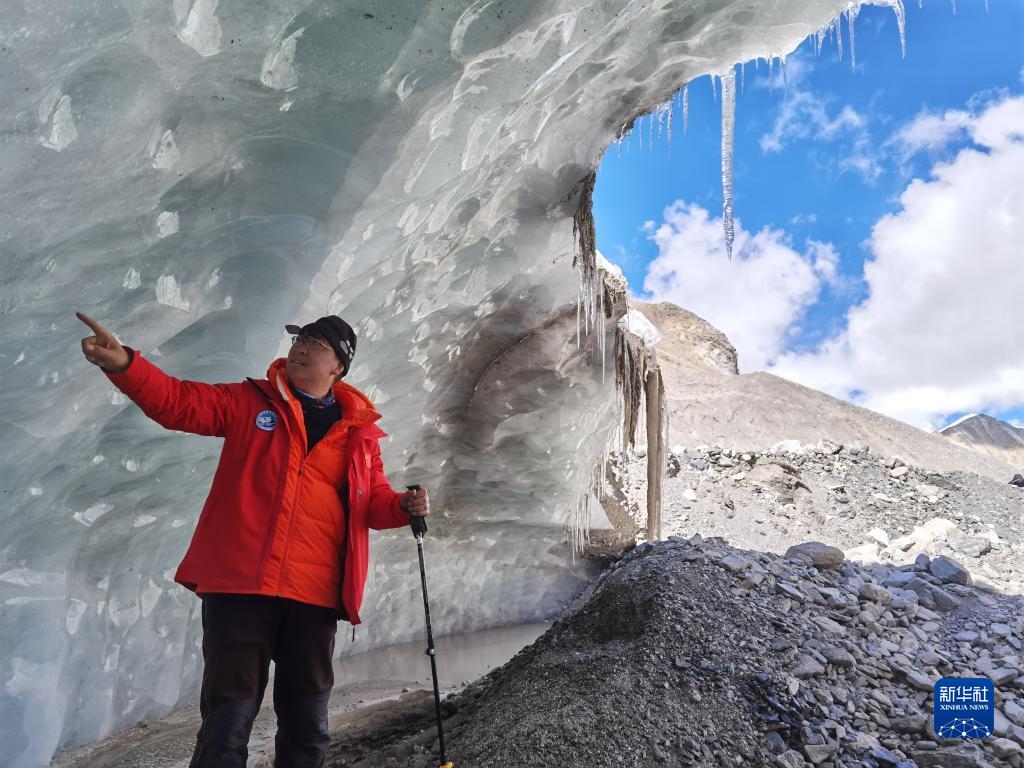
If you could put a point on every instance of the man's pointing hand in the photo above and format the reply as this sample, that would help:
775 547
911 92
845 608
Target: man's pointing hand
102 349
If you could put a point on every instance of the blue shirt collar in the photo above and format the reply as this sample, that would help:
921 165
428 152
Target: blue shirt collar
316 402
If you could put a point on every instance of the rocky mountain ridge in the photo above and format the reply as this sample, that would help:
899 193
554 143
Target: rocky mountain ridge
988 435
709 403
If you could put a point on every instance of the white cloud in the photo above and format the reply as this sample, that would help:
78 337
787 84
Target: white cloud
756 299
934 132
940 330
804 115
803 218
825 258
931 132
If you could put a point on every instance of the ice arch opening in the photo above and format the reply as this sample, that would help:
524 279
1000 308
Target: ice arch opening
195 175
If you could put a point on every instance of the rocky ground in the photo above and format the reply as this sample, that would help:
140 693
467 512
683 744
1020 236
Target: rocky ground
690 652
874 507
695 653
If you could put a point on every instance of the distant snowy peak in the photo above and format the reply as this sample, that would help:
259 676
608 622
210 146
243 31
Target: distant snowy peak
959 421
988 435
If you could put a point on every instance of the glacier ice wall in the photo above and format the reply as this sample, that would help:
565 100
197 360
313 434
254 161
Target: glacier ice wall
195 174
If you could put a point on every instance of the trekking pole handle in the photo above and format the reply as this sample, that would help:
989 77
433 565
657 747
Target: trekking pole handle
419 525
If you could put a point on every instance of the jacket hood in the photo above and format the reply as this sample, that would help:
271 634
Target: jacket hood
354 404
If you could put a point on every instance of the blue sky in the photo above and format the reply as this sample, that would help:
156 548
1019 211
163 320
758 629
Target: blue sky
818 163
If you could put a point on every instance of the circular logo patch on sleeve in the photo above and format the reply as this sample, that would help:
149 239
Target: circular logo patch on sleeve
266 420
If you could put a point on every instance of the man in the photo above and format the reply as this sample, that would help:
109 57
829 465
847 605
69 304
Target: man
280 551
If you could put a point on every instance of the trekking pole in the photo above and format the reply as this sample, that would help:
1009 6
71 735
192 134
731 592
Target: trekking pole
419 529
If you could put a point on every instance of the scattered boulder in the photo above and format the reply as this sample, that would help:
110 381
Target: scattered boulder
1014 712
963 756
932 596
972 546
817 554
916 723
1005 748
938 528
790 759
807 666
879 535
949 571
828 448
873 592
786 446
865 553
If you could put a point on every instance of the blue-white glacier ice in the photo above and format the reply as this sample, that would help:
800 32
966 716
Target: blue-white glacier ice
197 173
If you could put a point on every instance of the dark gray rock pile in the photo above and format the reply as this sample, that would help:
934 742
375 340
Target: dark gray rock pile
695 653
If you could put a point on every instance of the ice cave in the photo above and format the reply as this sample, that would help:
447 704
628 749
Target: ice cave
195 174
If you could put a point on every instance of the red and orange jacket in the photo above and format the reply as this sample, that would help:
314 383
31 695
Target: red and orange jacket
273 523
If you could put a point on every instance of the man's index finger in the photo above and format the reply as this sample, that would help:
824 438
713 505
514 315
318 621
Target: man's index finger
98 329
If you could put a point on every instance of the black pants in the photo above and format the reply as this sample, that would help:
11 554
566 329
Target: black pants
241 635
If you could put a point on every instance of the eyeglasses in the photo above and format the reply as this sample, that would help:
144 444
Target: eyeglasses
310 342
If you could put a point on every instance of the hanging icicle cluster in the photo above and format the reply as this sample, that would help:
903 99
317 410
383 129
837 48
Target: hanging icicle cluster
593 307
631 361
584 258
601 298
834 30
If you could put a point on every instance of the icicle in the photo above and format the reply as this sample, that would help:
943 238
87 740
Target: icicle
588 298
851 19
640 131
901 23
650 134
839 36
714 89
728 122
602 331
771 75
743 69
685 107
579 299
668 128
785 81
954 7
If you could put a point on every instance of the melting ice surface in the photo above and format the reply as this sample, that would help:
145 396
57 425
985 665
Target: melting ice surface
196 175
